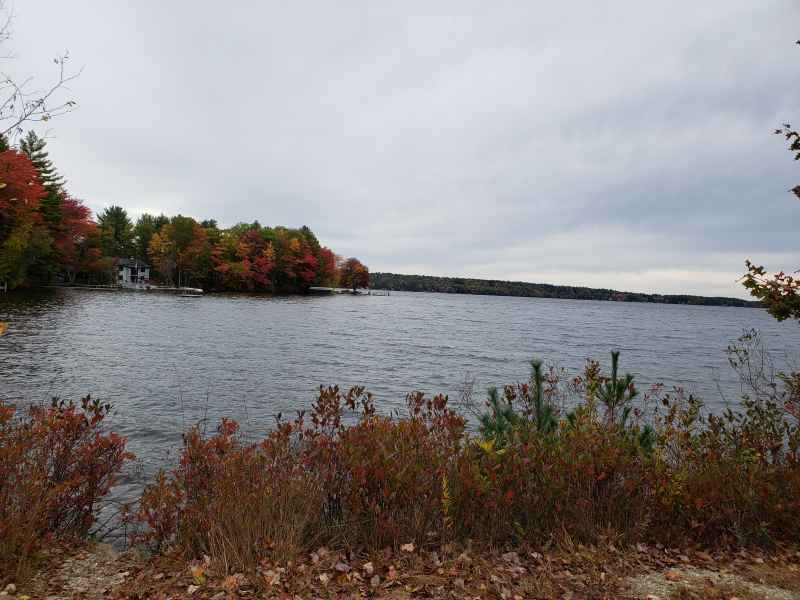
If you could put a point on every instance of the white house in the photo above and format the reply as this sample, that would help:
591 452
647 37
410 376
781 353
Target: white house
132 271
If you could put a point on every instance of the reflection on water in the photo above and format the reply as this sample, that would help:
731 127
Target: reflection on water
166 361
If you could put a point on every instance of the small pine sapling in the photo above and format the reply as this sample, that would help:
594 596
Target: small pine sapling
546 421
498 423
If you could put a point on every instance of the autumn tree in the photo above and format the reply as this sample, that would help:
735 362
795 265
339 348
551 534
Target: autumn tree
353 274
327 272
78 241
178 250
146 226
23 237
246 260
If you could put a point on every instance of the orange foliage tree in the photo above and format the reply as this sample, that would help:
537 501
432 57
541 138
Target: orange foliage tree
353 274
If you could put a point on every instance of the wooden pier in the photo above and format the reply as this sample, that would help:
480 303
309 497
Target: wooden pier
156 289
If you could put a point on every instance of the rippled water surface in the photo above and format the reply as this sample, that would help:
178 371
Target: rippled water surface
166 361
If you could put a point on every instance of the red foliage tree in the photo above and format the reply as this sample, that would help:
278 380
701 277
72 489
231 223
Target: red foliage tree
23 238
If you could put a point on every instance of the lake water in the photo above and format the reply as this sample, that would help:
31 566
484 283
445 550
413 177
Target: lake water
166 361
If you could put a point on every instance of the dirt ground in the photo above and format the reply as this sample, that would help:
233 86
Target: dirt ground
97 572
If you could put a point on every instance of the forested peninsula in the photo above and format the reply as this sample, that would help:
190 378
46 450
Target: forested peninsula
493 287
48 237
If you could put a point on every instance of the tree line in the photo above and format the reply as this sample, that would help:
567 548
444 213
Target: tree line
47 236
489 287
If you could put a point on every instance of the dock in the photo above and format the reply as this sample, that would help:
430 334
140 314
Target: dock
315 289
134 287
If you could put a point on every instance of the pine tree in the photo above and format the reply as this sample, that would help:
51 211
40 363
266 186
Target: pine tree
34 148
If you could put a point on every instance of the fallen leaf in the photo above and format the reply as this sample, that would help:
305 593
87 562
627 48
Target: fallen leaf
270 578
324 578
375 581
198 574
672 576
704 556
407 547
369 569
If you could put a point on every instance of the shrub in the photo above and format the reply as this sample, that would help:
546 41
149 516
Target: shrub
733 478
369 483
543 477
232 500
56 464
348 477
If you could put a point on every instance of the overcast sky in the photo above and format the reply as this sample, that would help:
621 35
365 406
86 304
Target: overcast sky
625 144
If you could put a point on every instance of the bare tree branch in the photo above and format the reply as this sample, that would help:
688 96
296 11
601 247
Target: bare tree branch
20 103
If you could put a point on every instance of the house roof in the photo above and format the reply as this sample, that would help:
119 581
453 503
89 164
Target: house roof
132 262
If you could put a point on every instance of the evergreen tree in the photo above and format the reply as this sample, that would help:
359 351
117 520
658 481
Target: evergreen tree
116 231
34 148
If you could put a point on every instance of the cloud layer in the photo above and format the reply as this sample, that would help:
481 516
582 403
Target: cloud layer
626 146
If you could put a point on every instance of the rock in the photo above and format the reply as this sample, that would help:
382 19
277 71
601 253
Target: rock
11 588
192 589
375 581
511 557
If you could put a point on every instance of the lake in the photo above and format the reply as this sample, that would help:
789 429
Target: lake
166 361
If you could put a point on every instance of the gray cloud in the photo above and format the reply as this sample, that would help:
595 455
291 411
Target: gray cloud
626 145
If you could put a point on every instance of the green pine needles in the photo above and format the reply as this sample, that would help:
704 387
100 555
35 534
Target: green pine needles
33 147
526 410
502 420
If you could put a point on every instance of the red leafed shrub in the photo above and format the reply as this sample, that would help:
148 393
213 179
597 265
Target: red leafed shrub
732 478
56 464
386 474
234 500
367 483
536 472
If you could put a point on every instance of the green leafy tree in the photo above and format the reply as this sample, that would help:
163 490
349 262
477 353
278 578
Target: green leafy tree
116 232
146 227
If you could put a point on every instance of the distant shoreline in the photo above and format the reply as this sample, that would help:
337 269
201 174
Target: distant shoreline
521 289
